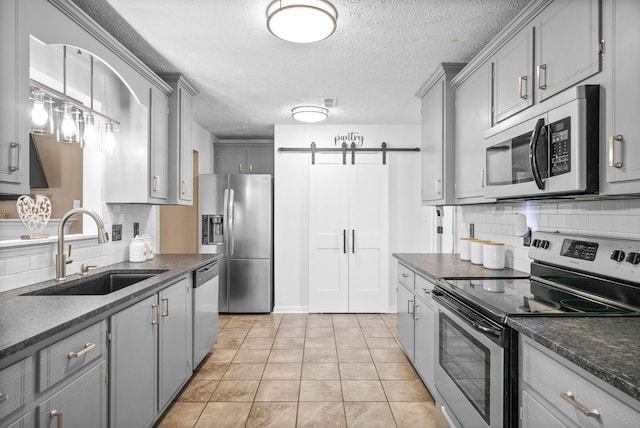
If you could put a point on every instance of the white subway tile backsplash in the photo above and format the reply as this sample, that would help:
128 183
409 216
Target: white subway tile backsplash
601 223
557 221
590 207
17 265
627 224
8 282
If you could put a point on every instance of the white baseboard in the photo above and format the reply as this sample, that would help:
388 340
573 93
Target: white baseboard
290 309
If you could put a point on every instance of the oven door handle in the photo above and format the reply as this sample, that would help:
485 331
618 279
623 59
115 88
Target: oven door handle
533 155
440 298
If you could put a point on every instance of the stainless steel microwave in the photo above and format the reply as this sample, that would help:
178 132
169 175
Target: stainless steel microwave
552 150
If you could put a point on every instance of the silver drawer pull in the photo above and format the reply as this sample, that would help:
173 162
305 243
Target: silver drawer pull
88 347
58 414
165 314
570 398
3 397
426 291
404 275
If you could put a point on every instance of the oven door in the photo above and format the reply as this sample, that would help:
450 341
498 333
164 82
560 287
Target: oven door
470 368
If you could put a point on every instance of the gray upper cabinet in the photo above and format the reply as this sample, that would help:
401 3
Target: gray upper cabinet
180 144
159 144
14 97
513 76
437 113
472 119
243 157
621 155
567 45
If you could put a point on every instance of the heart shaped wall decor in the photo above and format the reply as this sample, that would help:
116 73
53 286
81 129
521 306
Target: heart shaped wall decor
34 214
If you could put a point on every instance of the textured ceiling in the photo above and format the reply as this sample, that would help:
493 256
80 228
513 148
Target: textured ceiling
381 53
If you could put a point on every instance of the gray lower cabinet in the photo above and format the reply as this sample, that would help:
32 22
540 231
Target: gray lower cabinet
23 422
425 317
82 403
150 355
406 327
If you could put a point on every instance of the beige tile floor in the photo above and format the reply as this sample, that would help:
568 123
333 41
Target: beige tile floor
304 370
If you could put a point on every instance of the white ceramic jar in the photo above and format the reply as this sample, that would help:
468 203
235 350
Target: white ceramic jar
149 247
137 250
465 248
493 255
476 251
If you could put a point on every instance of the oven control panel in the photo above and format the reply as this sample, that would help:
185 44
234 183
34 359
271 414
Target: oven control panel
616 258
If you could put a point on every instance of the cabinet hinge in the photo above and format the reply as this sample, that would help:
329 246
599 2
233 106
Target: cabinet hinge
108 336
188 363
601 47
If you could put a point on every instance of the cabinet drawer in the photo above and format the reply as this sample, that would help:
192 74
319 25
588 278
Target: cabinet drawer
71 354
550 378
406 276
423 289
15 386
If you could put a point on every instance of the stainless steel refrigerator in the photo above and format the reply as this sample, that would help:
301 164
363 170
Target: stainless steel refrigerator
236 219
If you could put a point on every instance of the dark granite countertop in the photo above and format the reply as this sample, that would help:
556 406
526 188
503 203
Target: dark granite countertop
27 320
607 347
433 266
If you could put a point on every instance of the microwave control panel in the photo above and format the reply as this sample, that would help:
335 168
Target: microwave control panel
560 152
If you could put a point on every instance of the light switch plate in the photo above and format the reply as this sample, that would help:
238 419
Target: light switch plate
136 229
116 232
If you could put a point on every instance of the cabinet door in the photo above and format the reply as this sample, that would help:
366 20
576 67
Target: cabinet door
625 97
82 403
260 160
230 160
425 329
512 78
567 45
133 364
534 414
14 97
433 143
159 144
472 120
368 234
173 358
406 327
328 230
186 147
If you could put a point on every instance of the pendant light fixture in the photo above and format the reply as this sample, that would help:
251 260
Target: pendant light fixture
41 113
309 113
67 115
90 134
109 139
301 21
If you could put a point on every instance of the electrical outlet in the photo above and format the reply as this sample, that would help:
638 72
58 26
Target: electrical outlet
136 229
116 232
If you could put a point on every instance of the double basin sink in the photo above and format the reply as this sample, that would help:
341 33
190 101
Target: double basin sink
97 284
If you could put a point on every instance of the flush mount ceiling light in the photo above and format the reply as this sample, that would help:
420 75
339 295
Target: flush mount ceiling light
310 114
301 21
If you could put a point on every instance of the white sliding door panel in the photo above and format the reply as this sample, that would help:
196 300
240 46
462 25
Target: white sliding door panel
328 224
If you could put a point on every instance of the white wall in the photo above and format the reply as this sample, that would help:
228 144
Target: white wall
615 218
291 203
203 144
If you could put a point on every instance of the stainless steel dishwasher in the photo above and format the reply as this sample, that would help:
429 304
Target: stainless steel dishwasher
205 310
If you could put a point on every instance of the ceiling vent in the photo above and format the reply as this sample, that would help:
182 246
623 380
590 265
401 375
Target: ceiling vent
328 102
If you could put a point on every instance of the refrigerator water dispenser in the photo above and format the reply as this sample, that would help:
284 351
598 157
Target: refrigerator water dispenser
212 230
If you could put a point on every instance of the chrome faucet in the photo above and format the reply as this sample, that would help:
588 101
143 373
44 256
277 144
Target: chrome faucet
62 259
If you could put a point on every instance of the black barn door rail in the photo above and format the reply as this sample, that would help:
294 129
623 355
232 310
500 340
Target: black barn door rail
353 149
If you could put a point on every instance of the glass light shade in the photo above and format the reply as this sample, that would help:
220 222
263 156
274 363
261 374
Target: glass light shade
41 113
109 139
310 114
90 134
301 21
69 126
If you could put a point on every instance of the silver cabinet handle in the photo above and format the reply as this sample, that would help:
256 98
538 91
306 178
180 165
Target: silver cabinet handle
615 161
438 186
410 306
166 313
521 86
88 347
3 397
404 275
57 413
240 168
250 169
539 75
353 241
156 311
570 398
156 182
426 291
482 178
415 311
14 148
185 187
344 241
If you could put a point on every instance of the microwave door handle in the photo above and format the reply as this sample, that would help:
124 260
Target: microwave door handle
533 156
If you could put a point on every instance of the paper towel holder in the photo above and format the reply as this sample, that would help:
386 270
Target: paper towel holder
521 229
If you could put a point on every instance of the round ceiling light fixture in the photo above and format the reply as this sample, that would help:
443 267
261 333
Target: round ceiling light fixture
310 114
301 21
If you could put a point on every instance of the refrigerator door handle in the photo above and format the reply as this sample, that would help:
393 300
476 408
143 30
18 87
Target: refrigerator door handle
225 210
230 207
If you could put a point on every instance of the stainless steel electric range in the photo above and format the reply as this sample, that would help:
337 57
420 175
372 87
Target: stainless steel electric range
476 369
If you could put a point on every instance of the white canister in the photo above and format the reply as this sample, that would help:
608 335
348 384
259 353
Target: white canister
465 248
493 255
149 247
137 250
476 251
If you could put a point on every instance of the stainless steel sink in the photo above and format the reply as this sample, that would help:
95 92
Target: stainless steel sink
96 284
